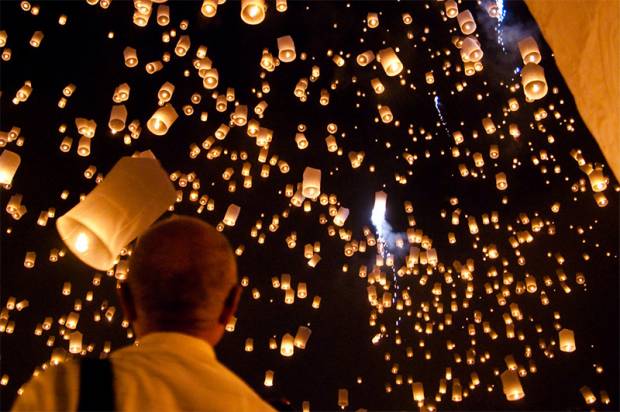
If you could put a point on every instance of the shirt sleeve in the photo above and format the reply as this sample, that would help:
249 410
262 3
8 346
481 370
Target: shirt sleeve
55 389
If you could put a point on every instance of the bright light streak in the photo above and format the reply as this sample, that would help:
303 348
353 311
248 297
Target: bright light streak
440 114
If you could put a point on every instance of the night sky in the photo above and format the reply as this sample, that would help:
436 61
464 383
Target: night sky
340 353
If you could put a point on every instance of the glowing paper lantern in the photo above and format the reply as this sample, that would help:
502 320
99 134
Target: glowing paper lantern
512 385
287 345
341 216
286 49
343 398
386 114
533 81
466 22
470 50
83 146
365 58
418 391
209 8
130 56
210 79
372 20
268 378
302 336
390 62
500 181
134 193
253 11
162 120
118 116
37 37
452 9
182 45
311 185
567 340
529 50
163 15
232 213
9 162
587 394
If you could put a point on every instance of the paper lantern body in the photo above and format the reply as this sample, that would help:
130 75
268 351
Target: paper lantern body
311 186
529 50
390 62
162 120
466 22
567 340
131 197
512 385
286 49
9 162
534 82
253 11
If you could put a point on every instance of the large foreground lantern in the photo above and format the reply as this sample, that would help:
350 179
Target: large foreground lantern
162 120
512 385
131 197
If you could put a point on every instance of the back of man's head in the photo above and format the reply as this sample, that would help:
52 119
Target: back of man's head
180 274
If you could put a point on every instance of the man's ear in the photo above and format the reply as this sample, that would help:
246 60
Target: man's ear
230 304
125 298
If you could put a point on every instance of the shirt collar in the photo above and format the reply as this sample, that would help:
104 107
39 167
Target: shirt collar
176 342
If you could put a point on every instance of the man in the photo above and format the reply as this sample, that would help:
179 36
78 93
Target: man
181 290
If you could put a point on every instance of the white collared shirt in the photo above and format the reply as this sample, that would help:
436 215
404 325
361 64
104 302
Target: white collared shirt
163 372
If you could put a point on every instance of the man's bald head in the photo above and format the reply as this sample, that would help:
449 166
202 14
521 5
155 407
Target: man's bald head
180 274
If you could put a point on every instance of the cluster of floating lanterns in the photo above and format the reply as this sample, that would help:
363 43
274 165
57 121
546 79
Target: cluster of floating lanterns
407 278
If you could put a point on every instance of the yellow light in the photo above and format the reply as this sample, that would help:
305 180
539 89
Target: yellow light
81 243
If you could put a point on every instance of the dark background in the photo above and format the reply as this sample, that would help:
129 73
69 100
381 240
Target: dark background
340 349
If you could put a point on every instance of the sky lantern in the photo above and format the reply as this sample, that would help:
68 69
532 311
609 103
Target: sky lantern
511 385
161 121
253 11
452 9
534 81
9 162
134 193
529 50
390 62
311 186
466 22
286 49
209 8
567 340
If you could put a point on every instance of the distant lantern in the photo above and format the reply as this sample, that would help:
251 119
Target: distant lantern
163 15
512 385
118 117
466 22
452 9
287 345
37 37
210 79
9 162
130 56
533 81
75 342
588 395
182 45
365 58
343 398
209 8
253 11
232 213
470 50
162 120
311 185
500 181
386 114
341 216
377 86
133 194
372 20
390 62
418 391
302 336
529 50
598 181
268 378
567 340
83 146
286 49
